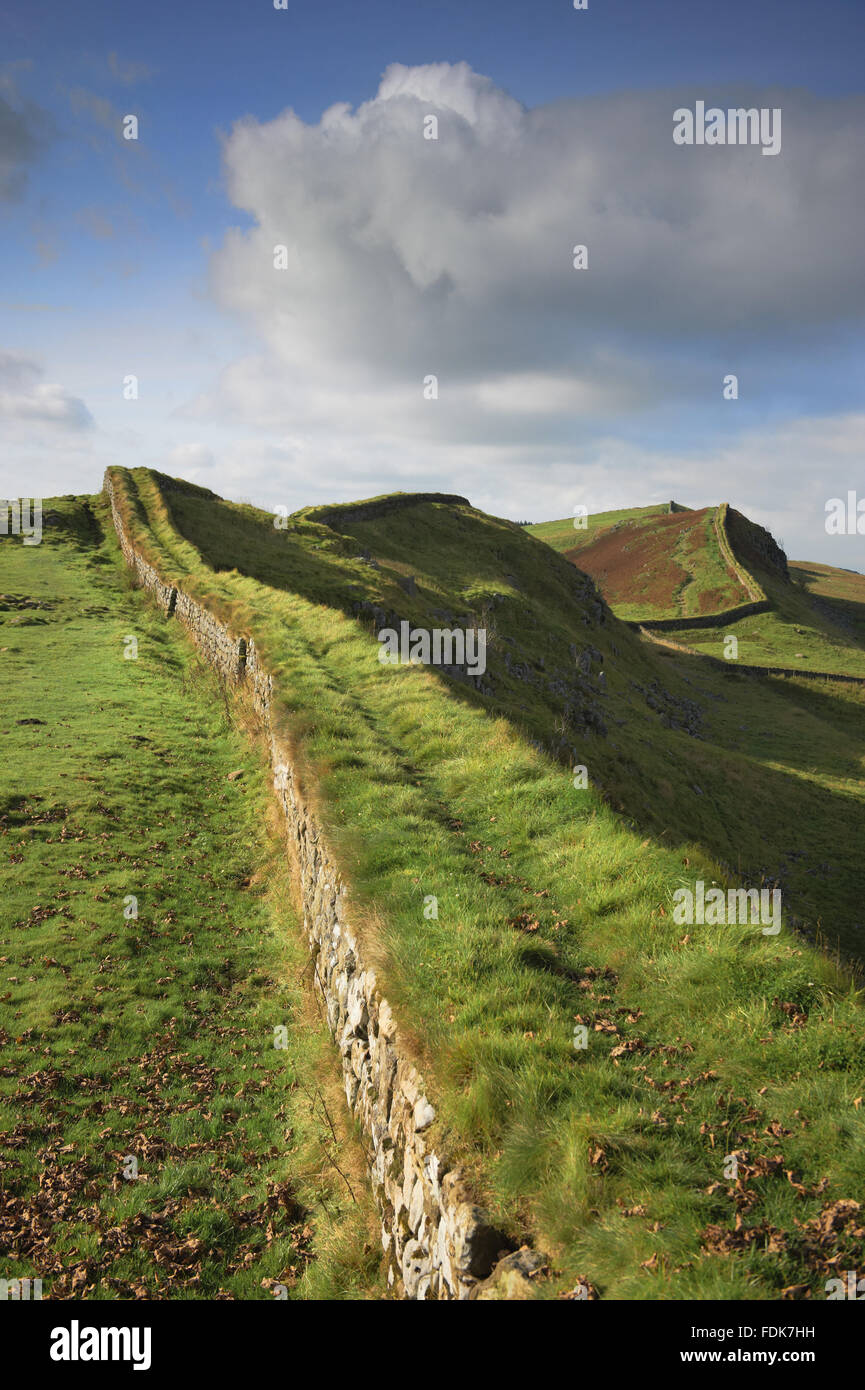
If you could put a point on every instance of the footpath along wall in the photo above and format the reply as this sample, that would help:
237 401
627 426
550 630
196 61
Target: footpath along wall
439 1244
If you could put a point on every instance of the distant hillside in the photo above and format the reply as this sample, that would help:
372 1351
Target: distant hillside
712 573
563 536
838 593
653 562
815 621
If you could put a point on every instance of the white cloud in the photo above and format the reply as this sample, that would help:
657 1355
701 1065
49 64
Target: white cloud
187 460
780 476
408 257
25 397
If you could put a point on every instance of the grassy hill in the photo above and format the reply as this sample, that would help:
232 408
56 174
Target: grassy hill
651 562
126 787
555 901
652 565
839 594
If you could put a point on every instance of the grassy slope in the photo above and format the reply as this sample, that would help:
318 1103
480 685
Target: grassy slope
150 1037
805 630
563 535
552 907
839 593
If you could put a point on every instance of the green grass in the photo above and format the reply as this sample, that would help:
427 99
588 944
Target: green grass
839 594
563 535
710 586
151 1037
807 628
554 904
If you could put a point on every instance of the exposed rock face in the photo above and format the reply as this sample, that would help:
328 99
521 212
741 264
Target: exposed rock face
386 618
755 545
674 712
439 1243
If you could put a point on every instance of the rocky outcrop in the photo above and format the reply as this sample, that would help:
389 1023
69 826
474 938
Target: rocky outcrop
675 712
438 1242
514 1278
754 545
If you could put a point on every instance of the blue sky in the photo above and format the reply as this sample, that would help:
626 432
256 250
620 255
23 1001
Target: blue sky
153 257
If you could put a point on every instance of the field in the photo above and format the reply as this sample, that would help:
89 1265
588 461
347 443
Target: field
563 535
155 1143
555 901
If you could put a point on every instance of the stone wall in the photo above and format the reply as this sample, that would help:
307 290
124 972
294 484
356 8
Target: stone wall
439 1244
704 620
721 523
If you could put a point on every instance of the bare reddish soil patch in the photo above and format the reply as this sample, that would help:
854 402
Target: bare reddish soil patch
634 563
714 600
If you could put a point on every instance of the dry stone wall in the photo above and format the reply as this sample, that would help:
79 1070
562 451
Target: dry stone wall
439 1244
703 620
